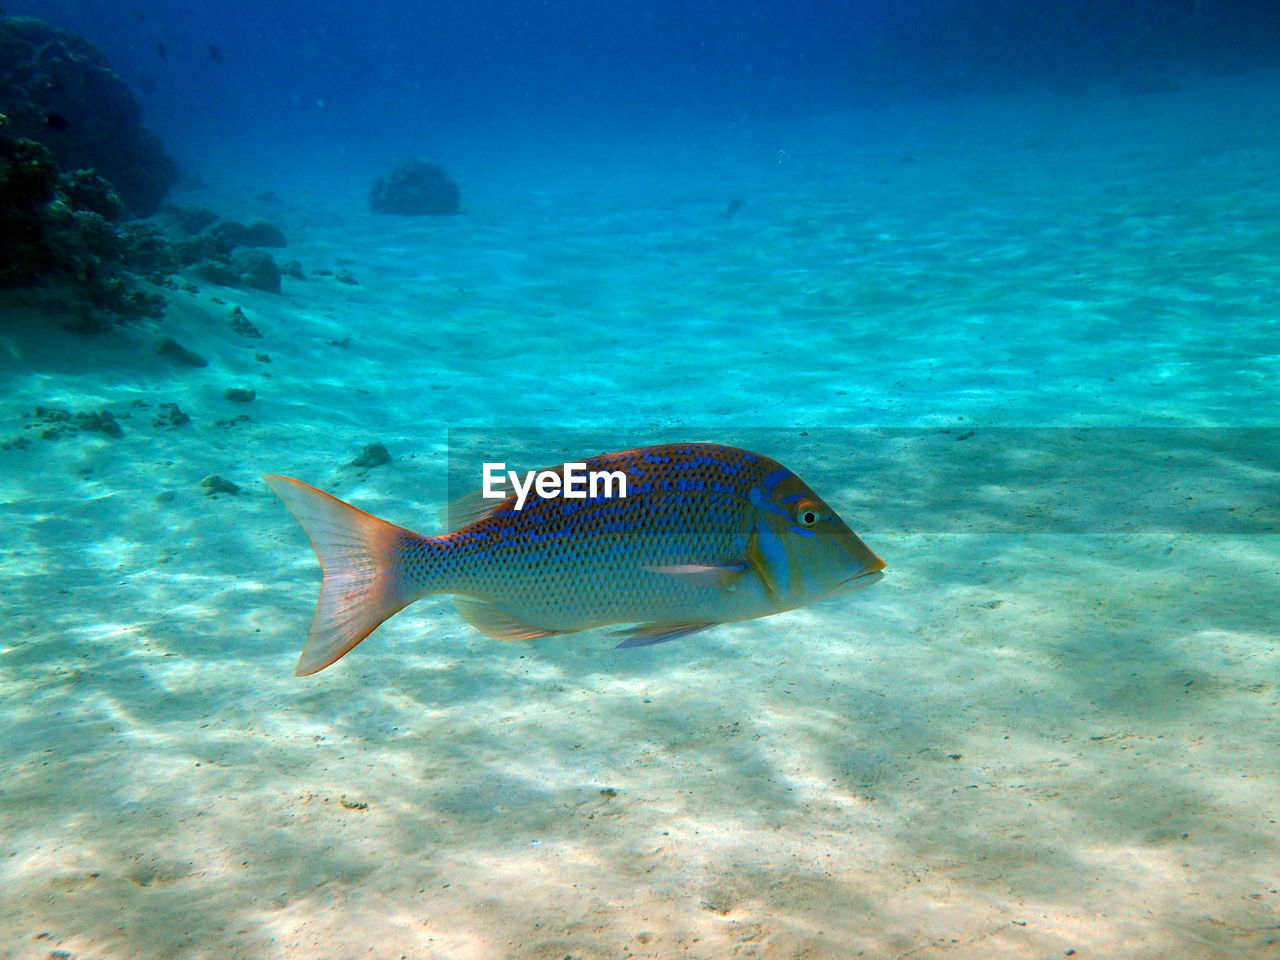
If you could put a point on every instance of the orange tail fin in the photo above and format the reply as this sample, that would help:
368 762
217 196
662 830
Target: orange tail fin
359 555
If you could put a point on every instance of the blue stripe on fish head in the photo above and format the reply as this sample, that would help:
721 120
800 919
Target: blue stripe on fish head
770 483
761 501
805 549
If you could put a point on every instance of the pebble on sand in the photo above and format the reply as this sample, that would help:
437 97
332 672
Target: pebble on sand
214 484
373 455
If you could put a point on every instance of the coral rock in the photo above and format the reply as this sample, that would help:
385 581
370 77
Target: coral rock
414 188
257 270
255 233
48 72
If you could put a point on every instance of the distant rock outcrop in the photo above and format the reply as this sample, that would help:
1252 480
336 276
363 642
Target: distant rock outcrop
415 188
57 89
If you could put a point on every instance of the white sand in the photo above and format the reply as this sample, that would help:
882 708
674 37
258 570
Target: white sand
1024 742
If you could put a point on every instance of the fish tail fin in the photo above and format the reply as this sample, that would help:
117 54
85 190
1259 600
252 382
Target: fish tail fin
360 555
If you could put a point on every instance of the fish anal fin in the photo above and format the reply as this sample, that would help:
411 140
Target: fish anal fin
647 634
493 622
723 576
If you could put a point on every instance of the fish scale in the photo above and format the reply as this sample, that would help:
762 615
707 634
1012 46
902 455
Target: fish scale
706 534
681 508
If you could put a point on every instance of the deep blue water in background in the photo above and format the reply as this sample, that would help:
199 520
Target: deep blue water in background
403 71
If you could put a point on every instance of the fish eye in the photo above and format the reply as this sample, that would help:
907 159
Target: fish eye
807 514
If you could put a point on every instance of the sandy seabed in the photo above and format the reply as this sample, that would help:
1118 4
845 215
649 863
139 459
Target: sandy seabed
1052 728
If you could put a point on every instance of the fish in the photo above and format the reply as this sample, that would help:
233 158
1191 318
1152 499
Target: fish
705 534
56 121
215 53
160 50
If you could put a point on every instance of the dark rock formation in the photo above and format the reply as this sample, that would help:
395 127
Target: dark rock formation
57 228
57 89
257 270
28 188
255 233
372 455
57 422
171 348
169 415
213 484
247 268
414 188
191 219
87 191
215 250
217 272
203 246
243 325
118 298
144 249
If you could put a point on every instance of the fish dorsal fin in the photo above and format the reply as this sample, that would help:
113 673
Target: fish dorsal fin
492 622
647 634
472 508
475 506
723 576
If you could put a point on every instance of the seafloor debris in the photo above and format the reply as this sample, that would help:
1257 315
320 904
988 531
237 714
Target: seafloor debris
57 422
169 415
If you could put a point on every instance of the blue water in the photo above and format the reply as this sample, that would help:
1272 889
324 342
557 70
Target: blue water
1002 286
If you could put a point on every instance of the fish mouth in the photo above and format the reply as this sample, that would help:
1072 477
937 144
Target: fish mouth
873 565
864 579
873 572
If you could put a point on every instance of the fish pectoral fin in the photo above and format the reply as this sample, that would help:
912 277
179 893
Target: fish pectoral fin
759 564
647 634
723 575
492 622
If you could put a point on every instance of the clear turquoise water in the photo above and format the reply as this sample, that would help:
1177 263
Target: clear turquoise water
1051 728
